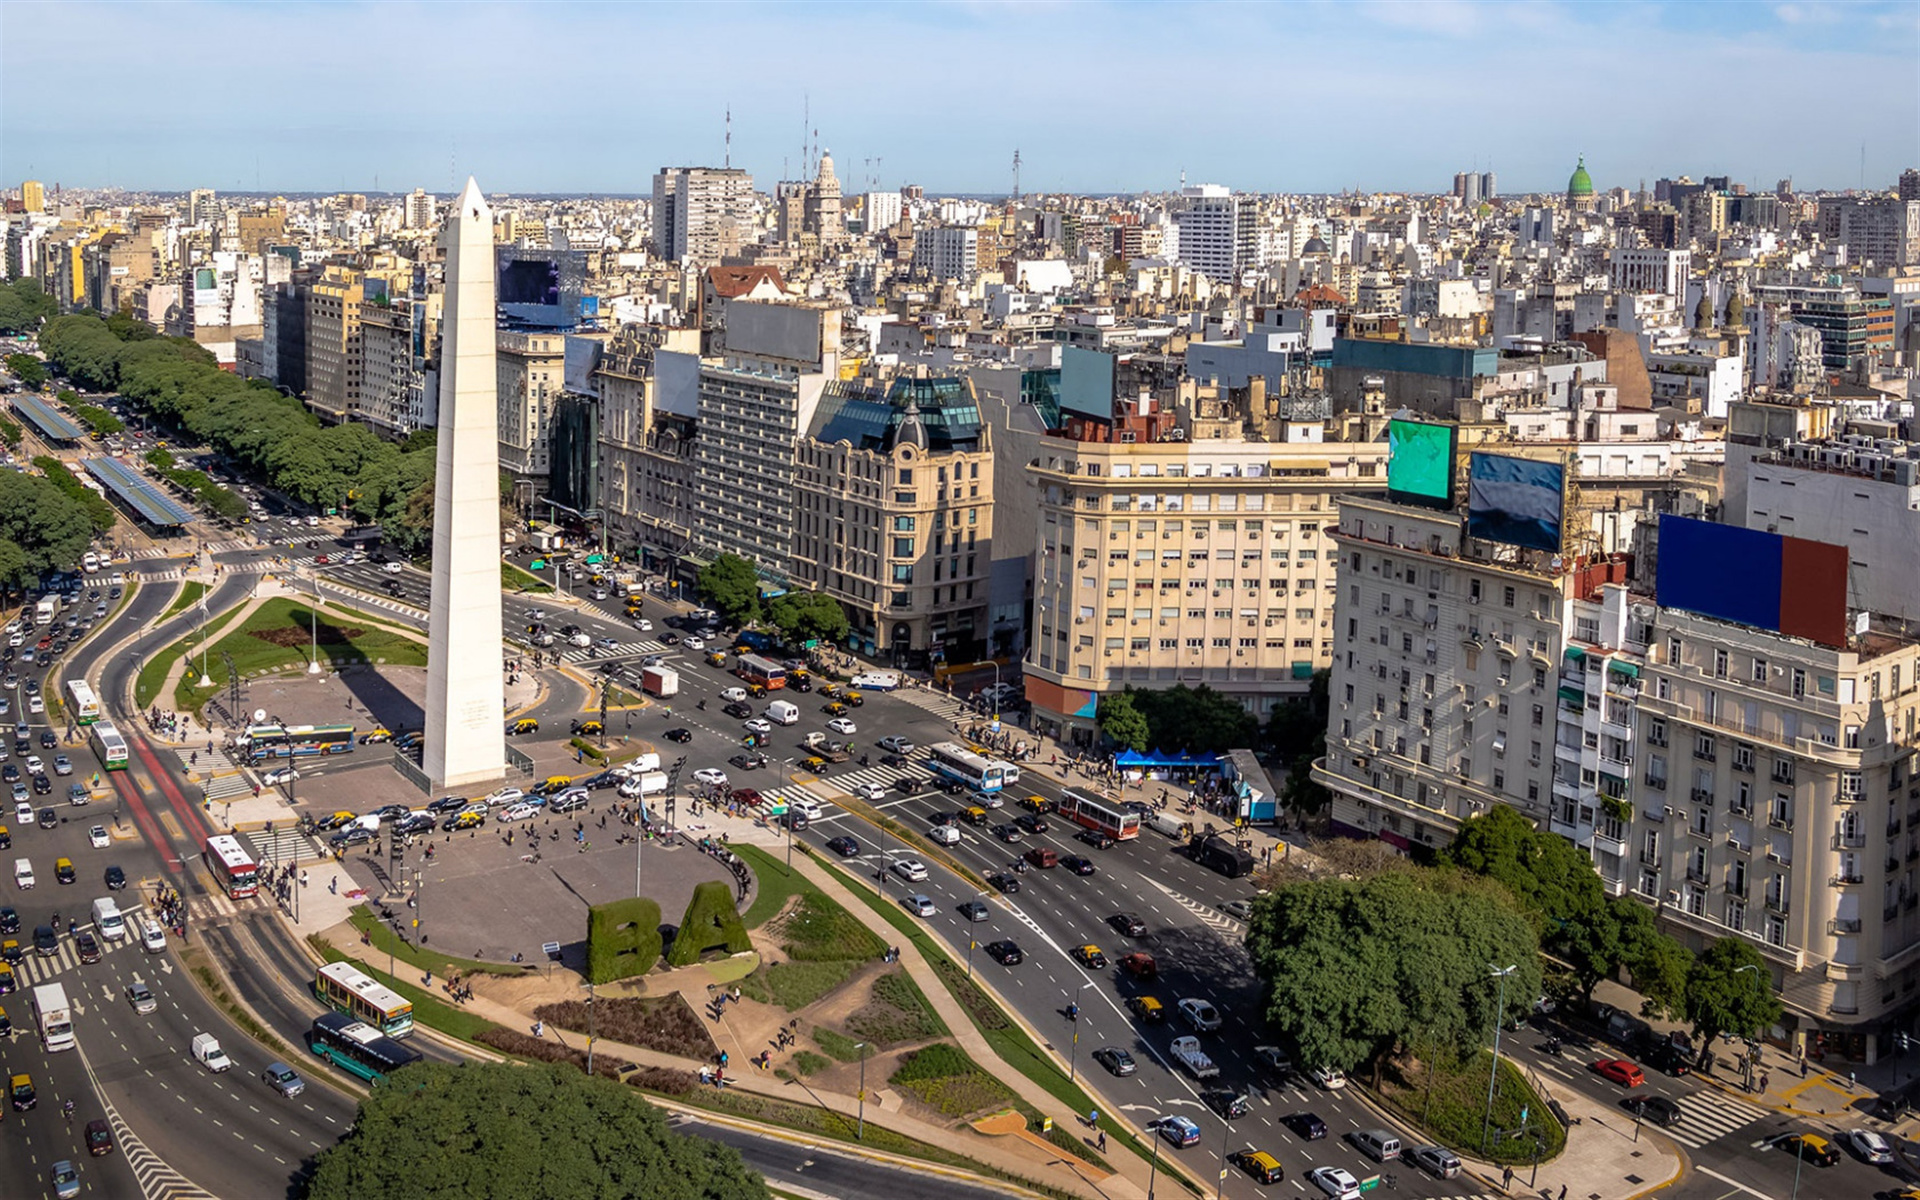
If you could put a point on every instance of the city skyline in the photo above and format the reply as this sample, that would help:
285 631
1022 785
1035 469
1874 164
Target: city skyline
1654 93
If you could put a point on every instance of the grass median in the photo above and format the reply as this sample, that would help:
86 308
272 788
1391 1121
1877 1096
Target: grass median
284 633
190 593
153 673
385 941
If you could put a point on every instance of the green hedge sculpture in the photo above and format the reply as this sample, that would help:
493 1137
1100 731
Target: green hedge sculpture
711 923
623 939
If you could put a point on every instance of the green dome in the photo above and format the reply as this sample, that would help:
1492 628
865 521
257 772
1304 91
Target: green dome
1581 184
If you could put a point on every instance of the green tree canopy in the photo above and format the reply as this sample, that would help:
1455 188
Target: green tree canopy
1123 723
1545 872
1730 990
23 305
801 616
1197 719
1660 966
1353 969
730 584
497 1131
1298 732
49 528
30 371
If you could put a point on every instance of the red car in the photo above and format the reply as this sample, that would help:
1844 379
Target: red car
747 796
1619 1070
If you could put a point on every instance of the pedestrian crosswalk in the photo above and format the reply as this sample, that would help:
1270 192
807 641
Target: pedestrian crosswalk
1706 1117
934 702
1209 916
285 845
578 655
39 968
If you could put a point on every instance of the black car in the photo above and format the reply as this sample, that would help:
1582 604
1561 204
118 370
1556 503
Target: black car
604 779
9 920
415 822
682 736
845 847
447 804
908 785
898 762
1094 838
1004 952
669 639
1305 1126
952 787
42 786
1128 923
739 710
1668 1057
1033 825
1007 833
49 818
355 836
1116 1060
748 762
46 942
116 879
1229 1103
1656 1110
10 772
87 945
1008 884
1078 864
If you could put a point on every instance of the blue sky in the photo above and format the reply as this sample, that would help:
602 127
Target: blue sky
1303 96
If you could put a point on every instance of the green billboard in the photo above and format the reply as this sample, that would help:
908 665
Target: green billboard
1420 462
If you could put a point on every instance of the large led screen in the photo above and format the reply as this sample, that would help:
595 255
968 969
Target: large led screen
1420 463
1518 501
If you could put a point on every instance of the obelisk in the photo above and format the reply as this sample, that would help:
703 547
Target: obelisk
465 739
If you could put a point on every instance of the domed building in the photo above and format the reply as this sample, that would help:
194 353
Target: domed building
1580 195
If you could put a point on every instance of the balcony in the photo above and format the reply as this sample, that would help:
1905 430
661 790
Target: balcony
1779 822
1702 796
1738 890
1849 841
1843 925
1779 905
1846 880
1657 782
1696 874
1610 845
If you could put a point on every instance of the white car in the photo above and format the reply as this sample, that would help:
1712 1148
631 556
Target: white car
1331 1079
506 795
519 812
36 705
870 791
711 776
23 813
758 725
97 837
643 625
896 745
694 643
910 869
944 835
34 765
1338 1184
734 695
394 568
1200 1014
582 640
280 775
810 809
1870 1146
843 727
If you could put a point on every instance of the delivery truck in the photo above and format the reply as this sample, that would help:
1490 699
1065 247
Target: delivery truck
53 1016
660 681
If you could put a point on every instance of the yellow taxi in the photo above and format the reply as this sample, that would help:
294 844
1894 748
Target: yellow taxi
1091 957
334 820
1148 1008
469 820
554 783
834 709
975 815
20 1090
832 691
10 950
798 675
6 838
1037 804
1264 1167
716 658
855 699
814 763
63 870
379 733
524 725
7 983
757 691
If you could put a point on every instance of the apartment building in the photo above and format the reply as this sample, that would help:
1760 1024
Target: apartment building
333 344
531 369
1205 561
894 500
948 252
1445 658
393 392
647 381
701 214
1851 490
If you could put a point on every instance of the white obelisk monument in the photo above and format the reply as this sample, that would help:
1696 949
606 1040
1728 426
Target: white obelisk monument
466 744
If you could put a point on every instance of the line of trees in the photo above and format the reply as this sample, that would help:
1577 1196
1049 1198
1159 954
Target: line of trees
179 385
731 587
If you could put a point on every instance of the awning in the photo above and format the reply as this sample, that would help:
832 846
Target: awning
1160 758
1573 695
1631 670
1576 654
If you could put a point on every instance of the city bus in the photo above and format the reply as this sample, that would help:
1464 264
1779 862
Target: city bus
86 706
261 742
109 745
956 762
763 671
341 987
1101 816
358 1048
232 867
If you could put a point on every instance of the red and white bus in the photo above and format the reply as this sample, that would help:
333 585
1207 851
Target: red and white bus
763 671
1120 824
233 868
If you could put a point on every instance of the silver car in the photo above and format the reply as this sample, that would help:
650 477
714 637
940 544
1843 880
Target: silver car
281 1078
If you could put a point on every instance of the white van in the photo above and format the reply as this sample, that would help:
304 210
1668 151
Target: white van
1169 824
22 874
153 939
783 712
107 919
92 562
206 1049
1376 1144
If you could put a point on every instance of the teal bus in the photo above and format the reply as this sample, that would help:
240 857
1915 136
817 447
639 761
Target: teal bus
357 1047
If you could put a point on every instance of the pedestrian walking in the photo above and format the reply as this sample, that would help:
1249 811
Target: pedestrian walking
1506 1179
1563 1192
333 885
1103 1141
1093 1116
1763 1081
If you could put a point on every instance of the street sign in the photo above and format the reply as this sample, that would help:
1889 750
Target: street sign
810 643
594 558
538 564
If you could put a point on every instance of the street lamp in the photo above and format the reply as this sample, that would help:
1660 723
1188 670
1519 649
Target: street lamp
313 615
593 1026
787 778
1499 1015
1073 1017
206 680
860 1132
1153 1168
1746 1059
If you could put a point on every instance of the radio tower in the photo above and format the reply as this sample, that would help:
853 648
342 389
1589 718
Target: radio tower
1016 175
728 162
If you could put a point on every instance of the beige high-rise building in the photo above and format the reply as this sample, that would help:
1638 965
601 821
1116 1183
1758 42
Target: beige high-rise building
532 373
701 214
893 499
1202 561
646 440
33 196
333 344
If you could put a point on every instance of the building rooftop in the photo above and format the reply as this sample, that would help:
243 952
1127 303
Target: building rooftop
940 414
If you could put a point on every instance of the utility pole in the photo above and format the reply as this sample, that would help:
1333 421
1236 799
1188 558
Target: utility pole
1499 1015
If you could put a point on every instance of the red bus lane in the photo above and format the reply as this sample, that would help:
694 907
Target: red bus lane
128 790
191 819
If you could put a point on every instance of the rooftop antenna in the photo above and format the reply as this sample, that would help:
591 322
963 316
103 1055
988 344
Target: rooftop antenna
728 162
1016 175
806 123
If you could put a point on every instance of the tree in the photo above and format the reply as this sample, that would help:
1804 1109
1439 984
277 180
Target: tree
1197 719
28 370
730 584
92 504
1354 969
23 305
1660 967
500 1131
804 616
1298 732
1596 943
1123 723
49 526
1730 990
1545 872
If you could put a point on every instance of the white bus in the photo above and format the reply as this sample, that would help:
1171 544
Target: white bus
959 763
86 706
109 745
340 986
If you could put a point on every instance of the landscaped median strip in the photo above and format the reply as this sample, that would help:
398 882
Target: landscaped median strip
1004 1035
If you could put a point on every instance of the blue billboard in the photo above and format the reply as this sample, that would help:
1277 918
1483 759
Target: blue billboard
1517 501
